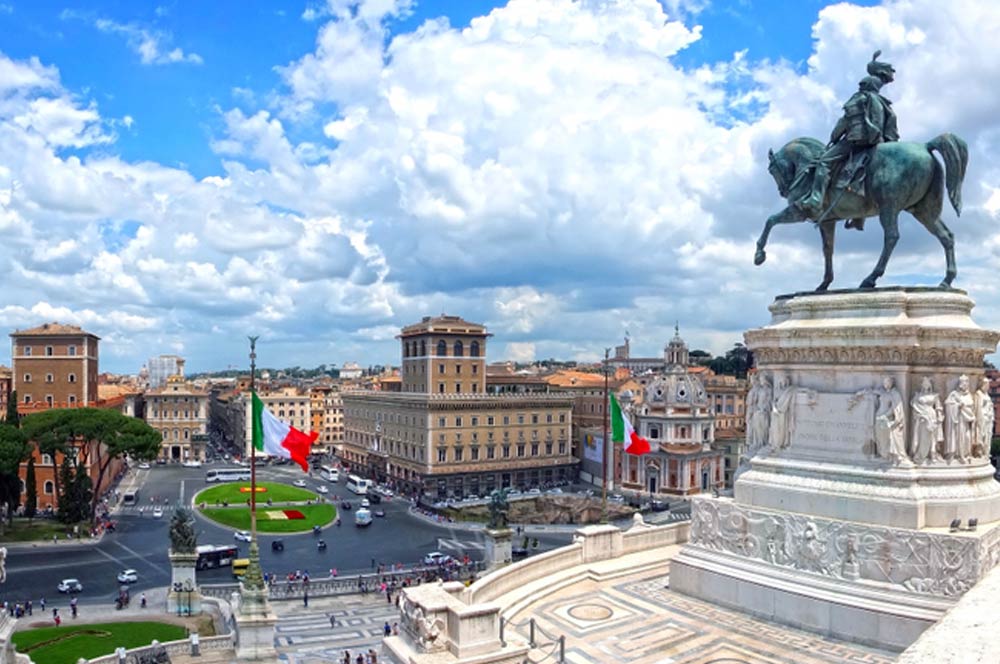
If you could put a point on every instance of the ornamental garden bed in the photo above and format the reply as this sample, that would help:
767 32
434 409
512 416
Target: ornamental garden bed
59 645
301 518
237 493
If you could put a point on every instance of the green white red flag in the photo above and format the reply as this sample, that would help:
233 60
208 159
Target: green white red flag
273 437
622 431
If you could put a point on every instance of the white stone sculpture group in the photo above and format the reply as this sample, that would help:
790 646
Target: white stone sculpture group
958 430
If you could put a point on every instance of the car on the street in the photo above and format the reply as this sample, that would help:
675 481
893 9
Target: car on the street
373 497
70 586
365 503
346 505
277 545
160 461
617 498
379 513
534 491
299 483
194 463
143 466
242 536
436 558
322 489
158 513
660 506
128 576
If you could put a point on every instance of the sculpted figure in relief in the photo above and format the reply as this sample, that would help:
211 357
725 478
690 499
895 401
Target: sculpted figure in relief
783 412
928 418
984 420
890 421
758 413
960 422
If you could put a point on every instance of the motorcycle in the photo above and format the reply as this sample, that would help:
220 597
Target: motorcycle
321 545
316 530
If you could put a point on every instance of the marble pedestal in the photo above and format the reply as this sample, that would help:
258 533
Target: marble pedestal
183 596
498 547
839 521
255 623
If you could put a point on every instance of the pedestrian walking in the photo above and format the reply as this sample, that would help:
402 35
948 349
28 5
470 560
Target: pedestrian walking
395 629
347 657
27 605
305 599
41 603
386 629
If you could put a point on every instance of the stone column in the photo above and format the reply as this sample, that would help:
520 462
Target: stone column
254 619
498 547
183 596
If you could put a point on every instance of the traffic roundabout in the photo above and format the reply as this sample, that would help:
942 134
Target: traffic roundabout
280 508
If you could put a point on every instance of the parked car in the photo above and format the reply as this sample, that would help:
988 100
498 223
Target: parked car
436 558
194 463
299 483
128 576
535 491
70 586
158 513
322 489
242 535
277 545
143 466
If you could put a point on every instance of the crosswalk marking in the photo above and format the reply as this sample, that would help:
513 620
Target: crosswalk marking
460 545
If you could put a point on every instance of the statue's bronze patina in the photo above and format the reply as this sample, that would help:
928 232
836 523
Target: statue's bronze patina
182 536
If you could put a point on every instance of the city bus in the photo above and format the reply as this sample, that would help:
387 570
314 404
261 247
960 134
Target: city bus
329 473
228 475
357 485
211 556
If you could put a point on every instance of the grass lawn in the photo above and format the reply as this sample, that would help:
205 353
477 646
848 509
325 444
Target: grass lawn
59 645
230 492
239 518
37 530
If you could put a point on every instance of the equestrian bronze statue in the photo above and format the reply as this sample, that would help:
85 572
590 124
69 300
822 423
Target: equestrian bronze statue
864 171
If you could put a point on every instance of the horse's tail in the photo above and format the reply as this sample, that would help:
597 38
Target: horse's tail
955 154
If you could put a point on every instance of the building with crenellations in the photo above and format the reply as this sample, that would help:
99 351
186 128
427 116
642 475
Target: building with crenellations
179 411
54 366
444 434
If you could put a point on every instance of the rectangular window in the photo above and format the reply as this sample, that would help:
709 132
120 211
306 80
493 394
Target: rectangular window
458 368
458 454
534 419
548 448
520 449
562 417
506 451
489 435
475 368
441 422
458 421
562 447
534 449
475 436
458 437
48 351
475 453
442 455
440 368
520 419
441 388
72 350
458 388
475 388
475 421
548 418
489 421
506 419
27 351
491 452
27 398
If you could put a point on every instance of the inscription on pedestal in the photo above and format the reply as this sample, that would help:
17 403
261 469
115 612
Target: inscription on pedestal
828 428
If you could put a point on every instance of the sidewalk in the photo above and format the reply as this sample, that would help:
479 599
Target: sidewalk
471 526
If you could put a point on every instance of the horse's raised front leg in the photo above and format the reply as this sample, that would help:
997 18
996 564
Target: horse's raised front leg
789 215
827 230
889 218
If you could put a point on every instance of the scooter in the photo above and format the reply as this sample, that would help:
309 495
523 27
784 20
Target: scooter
321 545
316 530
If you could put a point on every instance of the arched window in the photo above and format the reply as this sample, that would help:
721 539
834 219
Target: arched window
49 487
49 378
187 434
442 349
72 378
459 349
474 349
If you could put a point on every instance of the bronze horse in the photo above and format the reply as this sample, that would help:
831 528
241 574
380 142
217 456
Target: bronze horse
900 176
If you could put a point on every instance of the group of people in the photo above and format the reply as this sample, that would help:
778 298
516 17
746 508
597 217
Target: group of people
21 609
370 657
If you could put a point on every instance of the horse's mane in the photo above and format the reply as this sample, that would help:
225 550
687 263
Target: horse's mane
805 146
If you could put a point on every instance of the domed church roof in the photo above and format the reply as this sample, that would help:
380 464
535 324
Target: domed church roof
676 388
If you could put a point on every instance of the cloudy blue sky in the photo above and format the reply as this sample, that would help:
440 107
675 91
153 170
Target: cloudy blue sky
176 176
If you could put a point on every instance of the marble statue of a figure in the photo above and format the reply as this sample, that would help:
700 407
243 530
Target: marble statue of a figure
960 422
759 413
928 418
783 412
985 416
890 421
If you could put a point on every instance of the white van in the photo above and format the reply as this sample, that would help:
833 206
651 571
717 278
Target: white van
130 498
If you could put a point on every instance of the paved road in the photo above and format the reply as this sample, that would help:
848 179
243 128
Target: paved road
141 542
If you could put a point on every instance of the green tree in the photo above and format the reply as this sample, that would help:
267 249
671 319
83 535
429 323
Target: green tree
47 431
30 489
12 417
13 450
67 507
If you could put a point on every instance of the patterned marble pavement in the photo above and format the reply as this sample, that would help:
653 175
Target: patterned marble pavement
304 636
644 622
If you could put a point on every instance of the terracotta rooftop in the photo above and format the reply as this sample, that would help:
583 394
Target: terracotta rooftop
110 391
444 324
49 329
570 378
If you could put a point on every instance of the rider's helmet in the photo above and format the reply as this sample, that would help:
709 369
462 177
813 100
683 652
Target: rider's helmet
883 70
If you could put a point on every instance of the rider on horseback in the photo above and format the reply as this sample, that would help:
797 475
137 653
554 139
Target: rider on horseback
867 121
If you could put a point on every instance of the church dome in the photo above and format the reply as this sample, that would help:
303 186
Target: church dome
676 388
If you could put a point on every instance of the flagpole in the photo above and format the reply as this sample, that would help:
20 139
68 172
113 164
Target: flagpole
604 442
253 579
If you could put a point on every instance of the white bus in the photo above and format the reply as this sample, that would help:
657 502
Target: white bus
329 473
357 485
211 556
228 475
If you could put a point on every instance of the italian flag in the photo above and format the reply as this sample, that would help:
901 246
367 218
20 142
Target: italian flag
622 431
273 437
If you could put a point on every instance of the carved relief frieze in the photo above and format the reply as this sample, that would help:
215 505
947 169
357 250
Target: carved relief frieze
917 561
